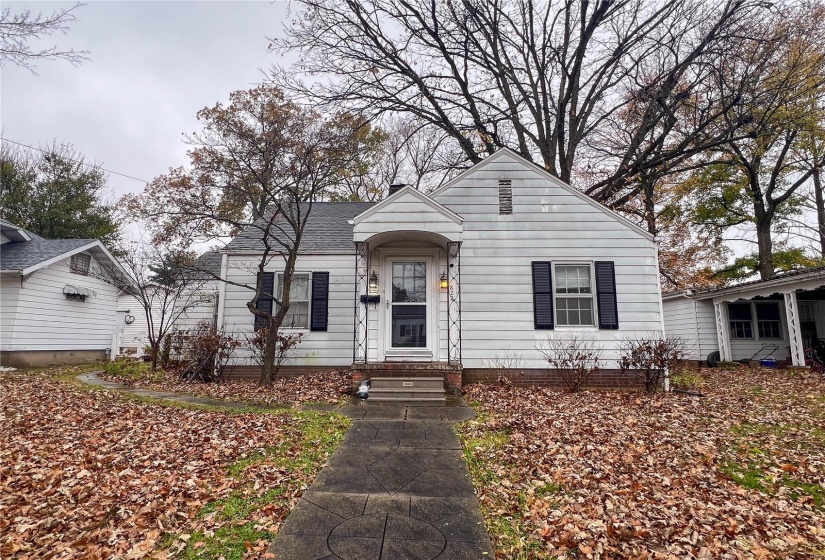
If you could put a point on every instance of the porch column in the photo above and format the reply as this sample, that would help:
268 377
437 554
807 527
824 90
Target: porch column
794 329
360 333
454 302
723 330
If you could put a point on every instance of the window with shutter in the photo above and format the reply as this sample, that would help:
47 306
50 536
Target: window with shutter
320 301
297 317
574 295
606 295
543 295
265 301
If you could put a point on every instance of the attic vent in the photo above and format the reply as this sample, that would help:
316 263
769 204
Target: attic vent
395 188
505 196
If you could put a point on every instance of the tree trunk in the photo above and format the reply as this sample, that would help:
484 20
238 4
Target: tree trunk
765 243
269 354
820 210
154 348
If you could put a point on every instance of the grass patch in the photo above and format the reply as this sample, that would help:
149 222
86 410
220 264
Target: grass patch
321 432
485 453
132 370
753 467
687 380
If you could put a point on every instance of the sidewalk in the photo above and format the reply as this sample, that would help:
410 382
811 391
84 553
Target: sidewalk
397 488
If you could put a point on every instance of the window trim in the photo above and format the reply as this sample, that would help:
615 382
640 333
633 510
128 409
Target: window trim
754 321
278 276
595 312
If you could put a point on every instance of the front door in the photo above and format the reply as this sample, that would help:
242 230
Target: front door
407 316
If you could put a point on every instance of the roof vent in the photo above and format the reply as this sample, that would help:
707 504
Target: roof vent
505 196
396 187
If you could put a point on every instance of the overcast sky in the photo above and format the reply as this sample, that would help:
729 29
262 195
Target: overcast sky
153 66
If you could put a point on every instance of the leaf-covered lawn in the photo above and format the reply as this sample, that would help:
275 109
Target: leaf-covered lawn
328 387
94 474
739 473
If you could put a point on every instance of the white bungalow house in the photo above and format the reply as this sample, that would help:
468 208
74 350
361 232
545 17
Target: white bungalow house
777 318
54 307
471 279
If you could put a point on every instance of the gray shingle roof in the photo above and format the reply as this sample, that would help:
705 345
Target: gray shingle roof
326 230
23 254
207 266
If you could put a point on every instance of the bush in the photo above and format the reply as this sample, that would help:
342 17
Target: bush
131 369
284 343
651 358
575 360
204 351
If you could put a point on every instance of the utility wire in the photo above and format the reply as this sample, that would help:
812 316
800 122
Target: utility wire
76 161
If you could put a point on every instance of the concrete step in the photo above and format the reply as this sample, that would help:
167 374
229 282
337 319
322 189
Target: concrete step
405 383
410 395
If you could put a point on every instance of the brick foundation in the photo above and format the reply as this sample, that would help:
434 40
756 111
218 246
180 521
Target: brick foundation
450 372
254 372
601 379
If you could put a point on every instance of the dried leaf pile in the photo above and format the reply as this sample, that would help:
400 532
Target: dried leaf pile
328 387
93 474
739 473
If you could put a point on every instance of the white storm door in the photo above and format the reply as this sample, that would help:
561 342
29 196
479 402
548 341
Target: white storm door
408 318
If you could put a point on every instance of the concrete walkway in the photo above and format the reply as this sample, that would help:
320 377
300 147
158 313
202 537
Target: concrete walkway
397 488
92 378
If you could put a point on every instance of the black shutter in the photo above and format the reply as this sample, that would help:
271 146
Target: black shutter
543 295
606 294
265 301
320 301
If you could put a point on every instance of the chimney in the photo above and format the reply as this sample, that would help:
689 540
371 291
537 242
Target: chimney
395 188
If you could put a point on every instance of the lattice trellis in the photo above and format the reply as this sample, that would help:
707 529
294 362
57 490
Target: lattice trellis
723 330
362 267
794 329
454 302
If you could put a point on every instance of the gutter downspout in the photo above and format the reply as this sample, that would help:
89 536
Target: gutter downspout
661 305
222 290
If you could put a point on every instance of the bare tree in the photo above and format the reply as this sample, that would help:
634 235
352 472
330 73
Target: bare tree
257 167
165 284
538 76
19 30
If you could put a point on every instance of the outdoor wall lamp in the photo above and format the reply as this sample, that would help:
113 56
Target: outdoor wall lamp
373 284
444 283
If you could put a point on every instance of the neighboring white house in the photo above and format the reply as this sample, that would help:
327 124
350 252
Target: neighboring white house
201 306
54 307
475 276
780 317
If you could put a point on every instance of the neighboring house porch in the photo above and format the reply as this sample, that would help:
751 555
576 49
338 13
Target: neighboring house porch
781 316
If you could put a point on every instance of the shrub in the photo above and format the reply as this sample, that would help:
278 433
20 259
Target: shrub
651 358
131 369
575 360
284 343
205 351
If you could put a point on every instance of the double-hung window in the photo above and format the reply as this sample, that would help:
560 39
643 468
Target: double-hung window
573 295
741 320
759 318
298 314
767 319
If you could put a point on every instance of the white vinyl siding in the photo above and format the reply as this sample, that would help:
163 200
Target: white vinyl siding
332 347
45 320
549 223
